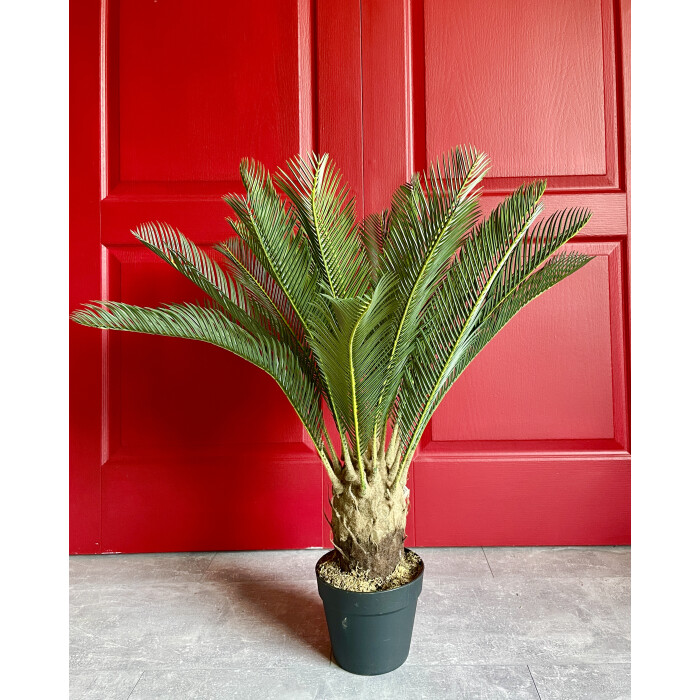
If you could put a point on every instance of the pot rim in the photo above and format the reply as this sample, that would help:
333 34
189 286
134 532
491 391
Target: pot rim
413 581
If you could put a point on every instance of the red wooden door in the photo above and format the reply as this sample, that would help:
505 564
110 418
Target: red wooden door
176 445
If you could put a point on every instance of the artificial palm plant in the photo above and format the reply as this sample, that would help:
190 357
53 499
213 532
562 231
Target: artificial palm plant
376 320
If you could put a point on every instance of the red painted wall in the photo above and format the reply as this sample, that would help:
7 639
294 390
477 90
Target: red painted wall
176 445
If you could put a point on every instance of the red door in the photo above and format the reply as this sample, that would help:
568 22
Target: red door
176 445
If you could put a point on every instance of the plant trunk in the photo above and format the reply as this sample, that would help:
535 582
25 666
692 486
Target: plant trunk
369 528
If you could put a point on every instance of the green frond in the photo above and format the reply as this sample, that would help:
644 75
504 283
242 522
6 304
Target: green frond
430 218
493 264
246 311
259 285
213 326
552 272
545 238
267 228
171 245
195 264
350 339
326 214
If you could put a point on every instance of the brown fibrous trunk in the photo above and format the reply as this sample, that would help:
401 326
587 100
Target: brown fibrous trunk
369 526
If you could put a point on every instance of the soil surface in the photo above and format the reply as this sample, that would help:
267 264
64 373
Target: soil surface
360 581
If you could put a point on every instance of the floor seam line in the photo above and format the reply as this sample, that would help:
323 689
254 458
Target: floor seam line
138 680
483 551
204 573
537 690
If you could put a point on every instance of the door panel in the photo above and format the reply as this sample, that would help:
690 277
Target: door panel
197 87
523 80
176 445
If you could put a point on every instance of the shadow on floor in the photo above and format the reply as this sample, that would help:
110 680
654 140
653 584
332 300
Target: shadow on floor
294 608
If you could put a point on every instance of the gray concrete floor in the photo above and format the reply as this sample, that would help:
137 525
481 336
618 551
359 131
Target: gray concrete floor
535 623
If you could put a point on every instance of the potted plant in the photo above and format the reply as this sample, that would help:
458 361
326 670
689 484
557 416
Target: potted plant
374 321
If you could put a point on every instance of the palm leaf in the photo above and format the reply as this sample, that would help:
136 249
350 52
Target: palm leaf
430 218
267 228
259 285
326 215
240 304
547 276
492 267
171 245
351 340
214 326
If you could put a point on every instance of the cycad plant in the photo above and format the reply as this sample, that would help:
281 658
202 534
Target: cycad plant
375 320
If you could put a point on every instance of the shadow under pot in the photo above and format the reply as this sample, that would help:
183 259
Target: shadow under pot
370 632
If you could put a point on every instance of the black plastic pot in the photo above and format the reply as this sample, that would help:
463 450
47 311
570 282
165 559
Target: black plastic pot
370 632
